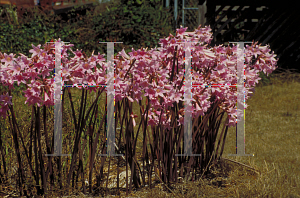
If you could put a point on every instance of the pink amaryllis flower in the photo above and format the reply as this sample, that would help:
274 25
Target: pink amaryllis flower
175 96
150 92
180 32
7 60
35 51
86 67
48 100
5 99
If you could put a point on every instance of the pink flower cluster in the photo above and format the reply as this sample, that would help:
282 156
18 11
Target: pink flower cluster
151 74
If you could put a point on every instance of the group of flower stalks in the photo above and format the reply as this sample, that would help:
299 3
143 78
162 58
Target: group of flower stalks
152 71
160 74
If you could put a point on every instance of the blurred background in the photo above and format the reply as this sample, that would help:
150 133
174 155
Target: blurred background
141 23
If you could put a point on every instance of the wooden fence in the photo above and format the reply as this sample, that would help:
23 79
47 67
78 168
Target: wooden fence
262 21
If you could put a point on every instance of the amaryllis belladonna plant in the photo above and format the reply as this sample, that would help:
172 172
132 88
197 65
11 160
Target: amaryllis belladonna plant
158 75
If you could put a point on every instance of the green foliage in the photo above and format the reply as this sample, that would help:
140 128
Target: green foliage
137 24
33 28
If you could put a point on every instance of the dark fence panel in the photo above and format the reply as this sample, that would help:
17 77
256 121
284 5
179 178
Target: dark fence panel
267 22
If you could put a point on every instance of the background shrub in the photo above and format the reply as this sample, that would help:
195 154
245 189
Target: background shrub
135 23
